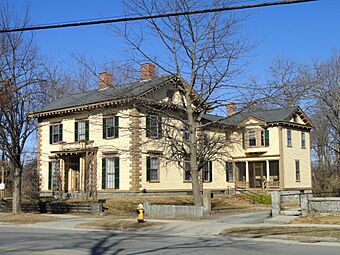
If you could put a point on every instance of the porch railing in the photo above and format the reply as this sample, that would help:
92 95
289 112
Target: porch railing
76 145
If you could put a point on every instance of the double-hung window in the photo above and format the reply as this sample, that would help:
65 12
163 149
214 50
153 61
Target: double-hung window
56 133
303 140
153 126
252 138
111 127
205 138
53 168
187 173
152 169
207 171
289 137
110 173
186 133
229 171
297 170
81 130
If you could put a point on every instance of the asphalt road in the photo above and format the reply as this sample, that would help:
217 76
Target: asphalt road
23 240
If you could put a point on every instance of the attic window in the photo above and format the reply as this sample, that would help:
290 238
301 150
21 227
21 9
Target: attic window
170 95
294 118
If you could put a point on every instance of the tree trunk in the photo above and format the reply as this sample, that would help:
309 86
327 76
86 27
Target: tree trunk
196 192
16 203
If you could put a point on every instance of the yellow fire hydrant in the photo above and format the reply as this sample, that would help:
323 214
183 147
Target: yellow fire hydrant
140 213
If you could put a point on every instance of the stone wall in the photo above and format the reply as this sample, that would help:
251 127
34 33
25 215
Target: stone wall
169 211
56 207
306 201
324 205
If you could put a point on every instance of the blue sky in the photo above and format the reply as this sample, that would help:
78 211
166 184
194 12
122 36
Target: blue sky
302 31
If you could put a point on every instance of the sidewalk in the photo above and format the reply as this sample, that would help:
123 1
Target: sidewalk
208 227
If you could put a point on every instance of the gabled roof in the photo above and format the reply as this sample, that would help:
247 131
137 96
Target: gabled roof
268 116
130 90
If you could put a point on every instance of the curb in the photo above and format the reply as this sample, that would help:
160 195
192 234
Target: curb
309 239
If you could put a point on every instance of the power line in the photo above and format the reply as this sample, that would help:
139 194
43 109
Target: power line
156 16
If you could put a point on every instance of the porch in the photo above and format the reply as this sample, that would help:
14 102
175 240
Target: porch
262 175
75 169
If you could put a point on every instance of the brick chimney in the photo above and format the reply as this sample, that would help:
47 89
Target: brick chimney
147 71
105 80
231 107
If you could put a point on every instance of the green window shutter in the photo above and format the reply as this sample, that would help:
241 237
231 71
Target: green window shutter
50 175
60 132
243 139
103 173
104 128
160 133
117 173
148 165
51 137
210 170
147 127
116 126
227 171
87 130
266 137
76 131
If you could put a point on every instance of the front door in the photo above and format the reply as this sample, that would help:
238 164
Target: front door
72 174
256 173
258 170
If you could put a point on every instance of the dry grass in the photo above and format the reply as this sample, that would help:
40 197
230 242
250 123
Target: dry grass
267 232
317 219
228 202
26 218
126 205
117 225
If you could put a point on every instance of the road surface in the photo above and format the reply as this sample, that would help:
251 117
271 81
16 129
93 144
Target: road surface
25 240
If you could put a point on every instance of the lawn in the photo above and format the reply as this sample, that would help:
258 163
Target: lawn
284 232
26 218
317 219
126 205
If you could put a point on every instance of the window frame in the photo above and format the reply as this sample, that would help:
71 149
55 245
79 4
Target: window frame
289 138
150 169
58 135
115 180
114 129
52 167
186 133
229 170
303 140
205 137
86 134
249 138
186 172
207 171
297 171
153 126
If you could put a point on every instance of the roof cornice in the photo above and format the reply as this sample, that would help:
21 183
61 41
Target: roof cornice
84 107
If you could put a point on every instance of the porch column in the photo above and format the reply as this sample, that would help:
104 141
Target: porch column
247 175
235 175
268 175
62 173
82 173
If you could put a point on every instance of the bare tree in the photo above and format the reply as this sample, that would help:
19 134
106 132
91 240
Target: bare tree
316 87
202 51
19 71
